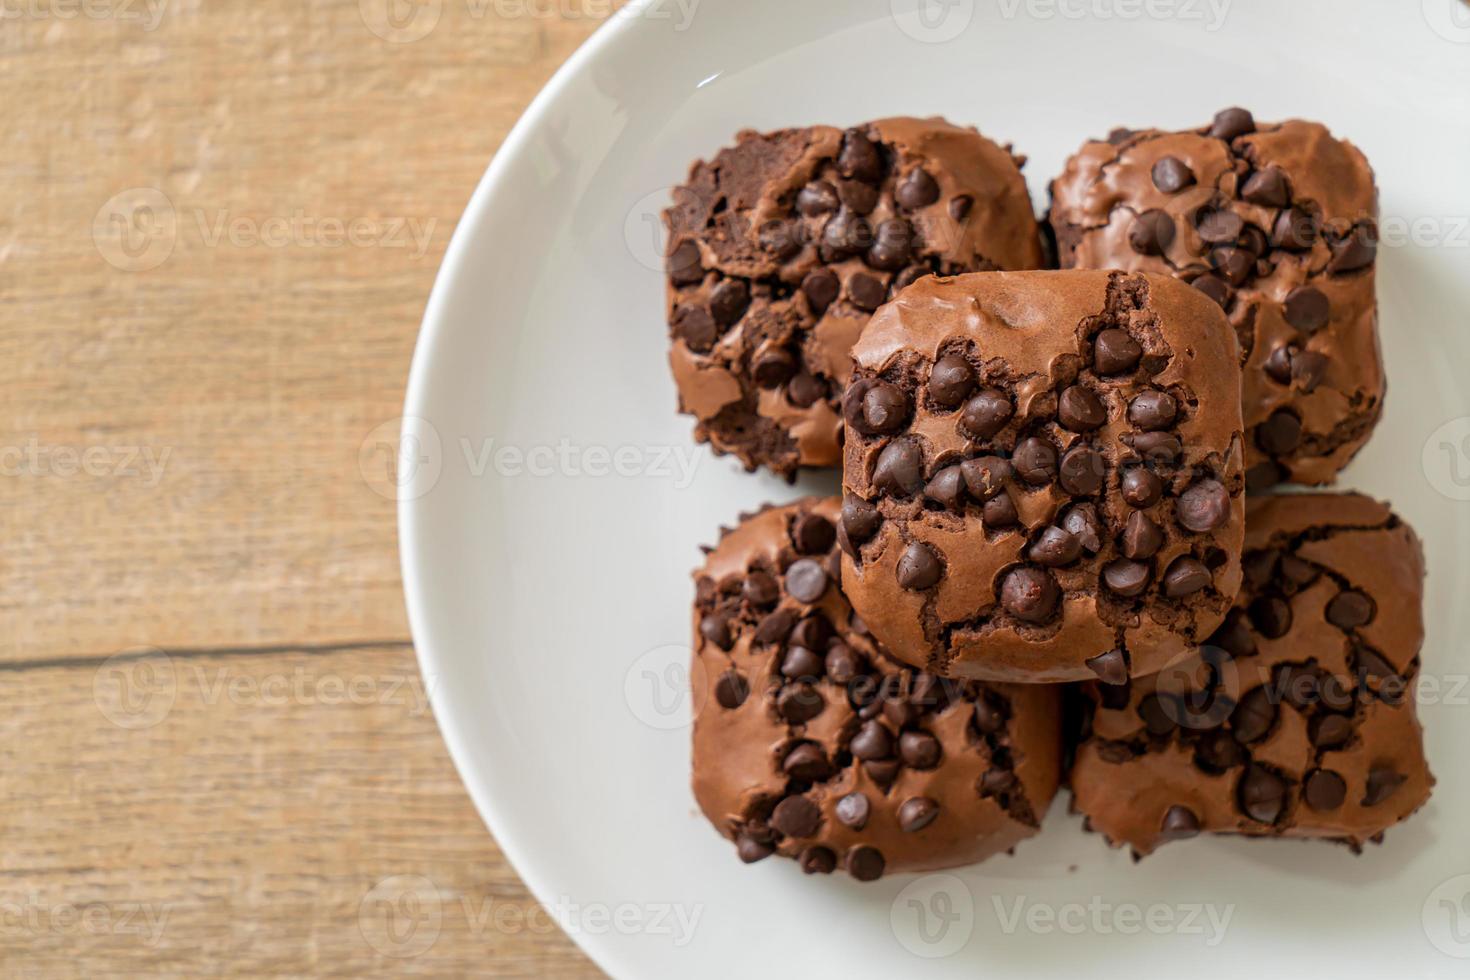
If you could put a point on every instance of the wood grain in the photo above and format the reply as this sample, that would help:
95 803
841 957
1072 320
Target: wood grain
196 358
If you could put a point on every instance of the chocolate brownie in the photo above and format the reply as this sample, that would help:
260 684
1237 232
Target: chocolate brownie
1297 719
784 244
810 743
1043 474
1277 224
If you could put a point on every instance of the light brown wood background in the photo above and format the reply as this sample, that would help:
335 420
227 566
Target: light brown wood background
180 471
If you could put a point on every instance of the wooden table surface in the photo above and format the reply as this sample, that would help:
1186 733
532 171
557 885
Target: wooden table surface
220 224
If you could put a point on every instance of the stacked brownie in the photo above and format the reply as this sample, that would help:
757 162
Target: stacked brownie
1045 481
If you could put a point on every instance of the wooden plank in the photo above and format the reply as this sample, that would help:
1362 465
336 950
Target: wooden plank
284 814
179 444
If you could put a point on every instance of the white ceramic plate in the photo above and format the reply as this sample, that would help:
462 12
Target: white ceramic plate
550 604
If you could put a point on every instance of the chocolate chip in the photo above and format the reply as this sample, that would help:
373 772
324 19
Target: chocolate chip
891 249
917 190
1126 577
817 860
1262 794
1055 548
813 632
900 469
884 410
751 850
1081 521
1215 288
865 863
1082 471
802 663
1372 665
1350 609
858 196
951 380
947 488
919 750
760 589
1111 668
817 198
859 158
697 329
860 519
1295 230
866 292
805 390
1268 188
821 288
985 476
716 629
1000 512
1271 616
1254 241
1171 175
1278 363
1253 716
1219 226
1308 368
1151 233
813 534
1382 783
1233 264
775 627
1218 752
1357 251
731 690
1280 434
807 762
1330 731
1324 790
908 277
1185 576
684 264
919 568
1336 694
872 742
806 580
959 206
774 367
989 719
987 413
1029 594
728 301
1153 410
1307 309
1159 448
852 811
1141 488
1233 122
1234 636
1035 461
843 663
916 813
1180 823
1203 507
798 704
1080 410
1114 352
1158 717
1142 537
844 234
796 816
